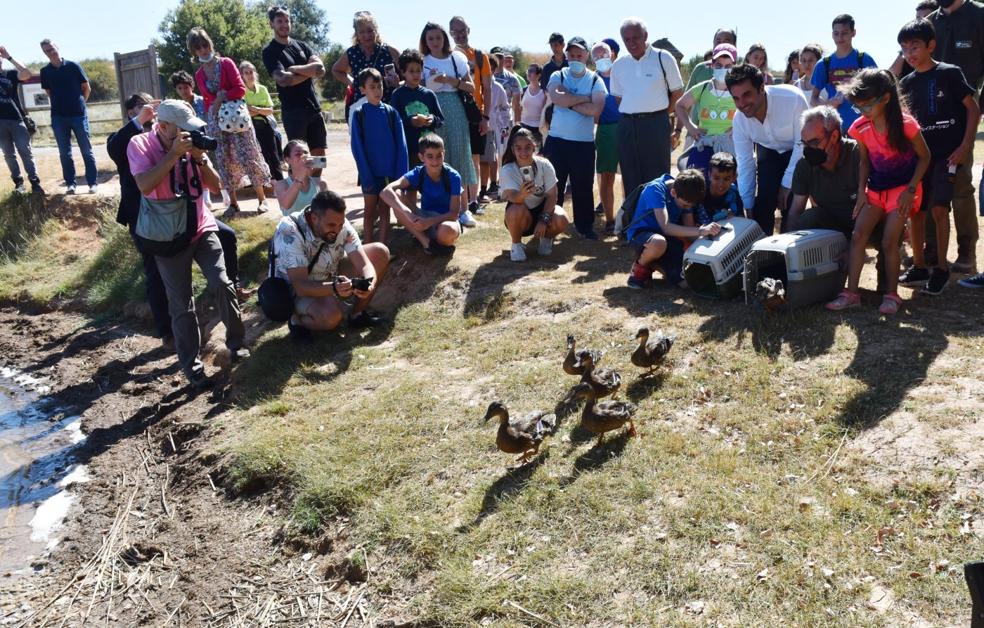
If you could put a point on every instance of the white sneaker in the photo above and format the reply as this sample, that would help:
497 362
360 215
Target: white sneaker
545 246
93 189
518 252
466 219
262 207
70 189
20 189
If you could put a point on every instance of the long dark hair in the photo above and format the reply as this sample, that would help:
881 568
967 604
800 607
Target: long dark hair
871 84
431 26
516 132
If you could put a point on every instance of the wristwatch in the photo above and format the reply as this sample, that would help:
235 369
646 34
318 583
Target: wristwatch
911 189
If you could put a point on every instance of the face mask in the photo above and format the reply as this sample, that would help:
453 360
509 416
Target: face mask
603 65
210 56
577 67
814 156
720 74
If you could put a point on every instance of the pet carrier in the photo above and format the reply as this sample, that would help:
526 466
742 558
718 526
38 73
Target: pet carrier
811 264
712 266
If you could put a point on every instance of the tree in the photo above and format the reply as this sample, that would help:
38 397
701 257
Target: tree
330 88
102 80
307 23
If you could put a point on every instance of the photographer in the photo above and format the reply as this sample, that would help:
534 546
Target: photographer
164 162
317 251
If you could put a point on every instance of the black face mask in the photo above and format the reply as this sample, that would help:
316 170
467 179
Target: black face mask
814 156
945 4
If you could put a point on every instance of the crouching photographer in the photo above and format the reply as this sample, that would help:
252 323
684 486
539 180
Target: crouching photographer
319 268
171 171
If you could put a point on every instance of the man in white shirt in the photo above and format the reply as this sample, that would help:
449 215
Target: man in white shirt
770 120
647 83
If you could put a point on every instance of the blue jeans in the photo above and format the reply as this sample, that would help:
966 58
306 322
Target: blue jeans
63 127
14 135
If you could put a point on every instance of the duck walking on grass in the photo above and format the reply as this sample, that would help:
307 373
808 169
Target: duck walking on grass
651 353
603 381
574 361
599 417
522 435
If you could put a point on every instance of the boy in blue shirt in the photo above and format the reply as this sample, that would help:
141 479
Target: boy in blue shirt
417 106
840 68
380 150
435 225
657 230
722 200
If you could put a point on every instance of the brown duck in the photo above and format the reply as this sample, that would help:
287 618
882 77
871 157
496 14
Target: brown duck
603 381
522 435
599 417
650 353
574 361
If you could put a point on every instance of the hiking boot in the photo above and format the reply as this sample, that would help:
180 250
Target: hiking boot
914 276
366 319
937 281
466 219
517 252
977 281
545 246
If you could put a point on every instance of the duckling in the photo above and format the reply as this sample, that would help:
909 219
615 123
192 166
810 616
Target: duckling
650 353
573 363
603 381
599 417
770 293
522 435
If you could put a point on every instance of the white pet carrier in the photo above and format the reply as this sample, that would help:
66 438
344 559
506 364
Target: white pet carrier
712 266
811 264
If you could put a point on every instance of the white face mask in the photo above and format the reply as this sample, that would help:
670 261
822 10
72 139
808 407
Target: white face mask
603 65
210 56
720 74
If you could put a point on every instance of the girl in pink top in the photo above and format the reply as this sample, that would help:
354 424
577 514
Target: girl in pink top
894 158
238 154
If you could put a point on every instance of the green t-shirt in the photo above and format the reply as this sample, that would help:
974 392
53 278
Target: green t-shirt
258 98
713 110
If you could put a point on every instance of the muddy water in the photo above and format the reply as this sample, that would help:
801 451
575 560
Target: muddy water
38 473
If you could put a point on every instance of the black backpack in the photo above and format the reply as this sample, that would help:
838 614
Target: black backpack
626 213
275 296
360 122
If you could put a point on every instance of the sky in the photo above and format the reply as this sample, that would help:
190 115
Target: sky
779 24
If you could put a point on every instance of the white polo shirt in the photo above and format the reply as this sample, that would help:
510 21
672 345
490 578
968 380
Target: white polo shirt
641 83
780 132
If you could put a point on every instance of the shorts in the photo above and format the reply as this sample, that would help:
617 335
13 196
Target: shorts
307 125
606 145
491 149
889 199
937 186
377 185
477 139
536 213
672 261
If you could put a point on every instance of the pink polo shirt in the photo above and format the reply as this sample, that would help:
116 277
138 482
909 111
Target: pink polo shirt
146 151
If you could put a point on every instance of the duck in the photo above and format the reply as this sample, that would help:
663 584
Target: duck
573 362
770 293
603 381
521 435
650 353
599 417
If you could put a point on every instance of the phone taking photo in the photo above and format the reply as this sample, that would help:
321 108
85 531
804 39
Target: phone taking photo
527 173
318 161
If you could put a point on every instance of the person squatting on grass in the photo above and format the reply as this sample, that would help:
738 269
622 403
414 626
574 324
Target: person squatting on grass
657 230
435 225
529 186
894 158
321 256
298 188
379 148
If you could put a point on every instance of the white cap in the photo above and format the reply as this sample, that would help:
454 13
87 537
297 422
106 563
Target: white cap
180 114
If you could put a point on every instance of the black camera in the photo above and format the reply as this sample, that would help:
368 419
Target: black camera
361 283
201 141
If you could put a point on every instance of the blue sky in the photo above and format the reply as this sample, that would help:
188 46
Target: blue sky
781 25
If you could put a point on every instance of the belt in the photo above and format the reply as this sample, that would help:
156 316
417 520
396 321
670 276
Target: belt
646 114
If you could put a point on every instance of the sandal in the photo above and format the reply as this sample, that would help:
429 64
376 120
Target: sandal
890 304
845 300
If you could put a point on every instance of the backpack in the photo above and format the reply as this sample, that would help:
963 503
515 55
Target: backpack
445 179
548 114
830 57
275 295
360 122
626 213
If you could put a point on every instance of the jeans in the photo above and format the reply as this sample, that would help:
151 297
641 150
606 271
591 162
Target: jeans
176 274
574 161
63 128
770 168
14 135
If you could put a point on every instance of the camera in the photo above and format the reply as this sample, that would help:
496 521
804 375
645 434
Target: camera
201 141
361 283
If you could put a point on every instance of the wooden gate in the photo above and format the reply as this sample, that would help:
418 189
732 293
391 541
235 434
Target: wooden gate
137 72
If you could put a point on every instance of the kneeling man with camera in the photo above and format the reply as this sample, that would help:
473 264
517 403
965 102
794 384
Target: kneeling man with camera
318 252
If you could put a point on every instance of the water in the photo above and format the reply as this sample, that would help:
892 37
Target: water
38 471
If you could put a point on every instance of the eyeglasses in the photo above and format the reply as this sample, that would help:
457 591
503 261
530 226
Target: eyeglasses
815 142
867 107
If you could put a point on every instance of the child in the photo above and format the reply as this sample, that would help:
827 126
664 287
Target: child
946 107
529 186
722 199
500 123
839 68
758 57
417 106
435 225
657 227
380 150
894 158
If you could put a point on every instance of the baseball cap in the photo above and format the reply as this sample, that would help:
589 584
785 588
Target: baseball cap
612 44
180 114
555 38
495 50
578 42
725 49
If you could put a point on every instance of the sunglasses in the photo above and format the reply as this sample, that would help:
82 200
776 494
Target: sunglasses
867 107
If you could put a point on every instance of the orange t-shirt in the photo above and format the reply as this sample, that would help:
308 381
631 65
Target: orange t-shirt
478 73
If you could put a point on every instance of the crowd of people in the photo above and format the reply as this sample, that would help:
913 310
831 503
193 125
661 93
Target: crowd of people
438 130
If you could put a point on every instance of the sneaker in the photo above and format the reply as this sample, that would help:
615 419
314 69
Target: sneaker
70 189
635 283
639 277
890 304
466 219
93 189
845 300
609 227
299 334
589 235
475 208
964 267
230 211
545 246
483 196
200 381
494 190
366 319
263 207
20 189
517 252
914 276
600 209
36 188
937 281
238 355
437 249
977 281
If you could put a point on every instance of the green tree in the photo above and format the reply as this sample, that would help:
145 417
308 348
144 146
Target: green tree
102 80
331 89
308 22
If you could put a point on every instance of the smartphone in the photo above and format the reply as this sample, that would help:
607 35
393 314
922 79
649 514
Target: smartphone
390 70
318 161
361 283
527 173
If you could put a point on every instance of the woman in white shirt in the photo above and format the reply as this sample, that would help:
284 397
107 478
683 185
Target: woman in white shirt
529 185
446 72
534 100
